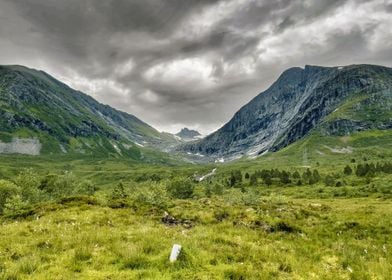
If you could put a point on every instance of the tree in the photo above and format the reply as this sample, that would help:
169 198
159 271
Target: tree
247 175
235 178
180 188
285 177
361 170
316 176
253 180
329 181
208 190
306 176
267 181
347 170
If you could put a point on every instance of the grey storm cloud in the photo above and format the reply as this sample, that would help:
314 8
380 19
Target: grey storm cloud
192 63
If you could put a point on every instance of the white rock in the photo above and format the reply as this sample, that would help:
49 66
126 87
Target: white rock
175 252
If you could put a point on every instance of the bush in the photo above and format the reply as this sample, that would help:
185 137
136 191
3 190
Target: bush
14 205
154 194
29 183
347 170
7 190
57 186
119 192
180 188
87 187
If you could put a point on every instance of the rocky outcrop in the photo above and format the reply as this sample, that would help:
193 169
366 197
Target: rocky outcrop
26 146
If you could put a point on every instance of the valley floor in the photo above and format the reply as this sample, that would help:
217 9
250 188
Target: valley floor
277 238
318 209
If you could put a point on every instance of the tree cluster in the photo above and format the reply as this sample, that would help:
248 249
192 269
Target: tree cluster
370 169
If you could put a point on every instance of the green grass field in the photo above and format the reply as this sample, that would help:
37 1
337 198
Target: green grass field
71 217
277 238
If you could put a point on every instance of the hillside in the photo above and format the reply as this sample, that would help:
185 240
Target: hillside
41 115
336 101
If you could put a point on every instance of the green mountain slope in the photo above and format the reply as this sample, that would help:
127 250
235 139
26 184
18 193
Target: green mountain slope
50 117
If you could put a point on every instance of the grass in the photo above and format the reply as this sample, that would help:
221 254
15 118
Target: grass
246 232
280 238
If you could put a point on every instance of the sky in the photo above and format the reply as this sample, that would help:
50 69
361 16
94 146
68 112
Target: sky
188 63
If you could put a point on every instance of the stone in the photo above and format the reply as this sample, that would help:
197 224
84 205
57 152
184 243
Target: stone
175 252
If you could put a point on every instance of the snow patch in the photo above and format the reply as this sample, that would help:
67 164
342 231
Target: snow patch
198 154
118 150
62 148
138 144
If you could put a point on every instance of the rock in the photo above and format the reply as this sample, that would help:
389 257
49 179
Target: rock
175 252
169 220
172 221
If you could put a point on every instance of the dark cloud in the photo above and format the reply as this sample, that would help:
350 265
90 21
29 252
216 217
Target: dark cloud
188 62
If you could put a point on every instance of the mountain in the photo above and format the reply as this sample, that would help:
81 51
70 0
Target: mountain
188 135
41 115
330 100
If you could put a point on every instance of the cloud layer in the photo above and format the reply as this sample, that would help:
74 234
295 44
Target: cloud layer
188 62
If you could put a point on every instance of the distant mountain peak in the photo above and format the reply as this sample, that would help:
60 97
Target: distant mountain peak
188 134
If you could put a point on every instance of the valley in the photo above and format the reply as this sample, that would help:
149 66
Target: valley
85 193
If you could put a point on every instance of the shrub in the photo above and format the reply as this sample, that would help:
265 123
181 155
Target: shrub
347 170
14 205
66 184
154 194
329 181
7 190
119 192
180 188
217 188
29 183
57 186
87 187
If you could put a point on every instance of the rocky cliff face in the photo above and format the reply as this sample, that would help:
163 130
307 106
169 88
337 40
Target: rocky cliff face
336 100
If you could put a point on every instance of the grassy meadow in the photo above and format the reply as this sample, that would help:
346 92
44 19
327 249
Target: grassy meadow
318 209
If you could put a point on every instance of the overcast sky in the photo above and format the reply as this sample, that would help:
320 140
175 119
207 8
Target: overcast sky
176 63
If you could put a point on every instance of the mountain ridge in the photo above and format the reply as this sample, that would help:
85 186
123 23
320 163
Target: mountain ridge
296 103
36 105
